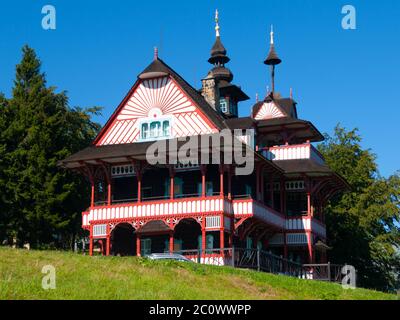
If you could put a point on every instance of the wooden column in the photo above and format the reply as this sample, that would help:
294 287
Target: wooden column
310 248
262 186
203 236
171 242
139 187
137 166
222 234
283 196
171 182
221 180
107 175
109 193
203 169
285 248
230 182
257 181
91 241
138 245
92 195
271 191
108 240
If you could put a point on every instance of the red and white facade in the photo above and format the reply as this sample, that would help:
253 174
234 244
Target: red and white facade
137 208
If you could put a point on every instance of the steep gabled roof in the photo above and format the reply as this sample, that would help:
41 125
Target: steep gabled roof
159 68
286 105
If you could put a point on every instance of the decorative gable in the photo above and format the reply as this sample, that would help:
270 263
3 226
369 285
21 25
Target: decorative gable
157 108
269 110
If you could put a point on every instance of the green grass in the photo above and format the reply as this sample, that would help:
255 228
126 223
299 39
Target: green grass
84 277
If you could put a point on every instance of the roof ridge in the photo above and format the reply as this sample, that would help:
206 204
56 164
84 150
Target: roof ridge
195 95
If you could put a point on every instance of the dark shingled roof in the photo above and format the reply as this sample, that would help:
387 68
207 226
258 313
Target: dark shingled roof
160 66
272 58
218 52
305 129
221 74
241 123
302 166
154 226
228 88
311 167
286 105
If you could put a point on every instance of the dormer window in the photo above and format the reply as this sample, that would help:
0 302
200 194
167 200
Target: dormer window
228 106
223 104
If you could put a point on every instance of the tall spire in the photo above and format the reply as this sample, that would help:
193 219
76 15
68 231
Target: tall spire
272 59
218 51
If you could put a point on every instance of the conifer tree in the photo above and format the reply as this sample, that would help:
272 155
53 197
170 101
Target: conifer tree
44 201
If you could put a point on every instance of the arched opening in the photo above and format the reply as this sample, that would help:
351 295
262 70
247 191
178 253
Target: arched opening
123 240
187 235
154 237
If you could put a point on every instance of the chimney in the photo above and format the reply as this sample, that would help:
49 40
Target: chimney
210 92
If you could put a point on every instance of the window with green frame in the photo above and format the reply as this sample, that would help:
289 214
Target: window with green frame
155 129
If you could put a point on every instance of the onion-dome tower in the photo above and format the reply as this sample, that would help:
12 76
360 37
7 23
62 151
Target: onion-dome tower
272 59
217 88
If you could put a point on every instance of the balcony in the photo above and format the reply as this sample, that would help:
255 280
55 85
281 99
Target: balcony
292 152
155 208
212 207
304 223
246 207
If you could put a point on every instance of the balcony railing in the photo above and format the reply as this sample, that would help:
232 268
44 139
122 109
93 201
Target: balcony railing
243 207
156 208
212 206
304 223
291 152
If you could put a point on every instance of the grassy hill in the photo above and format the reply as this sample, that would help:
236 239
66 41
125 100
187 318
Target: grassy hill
84 277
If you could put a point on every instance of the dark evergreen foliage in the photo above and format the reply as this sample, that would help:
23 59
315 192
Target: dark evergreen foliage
363 224
40 203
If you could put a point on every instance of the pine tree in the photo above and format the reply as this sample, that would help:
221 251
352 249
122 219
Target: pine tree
44 200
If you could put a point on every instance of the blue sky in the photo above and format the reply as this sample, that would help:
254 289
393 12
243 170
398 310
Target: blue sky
337 75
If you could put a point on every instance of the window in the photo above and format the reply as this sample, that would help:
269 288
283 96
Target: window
232 107
145 245
145 130
223 105
166 128
249 243
296 203
155 129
